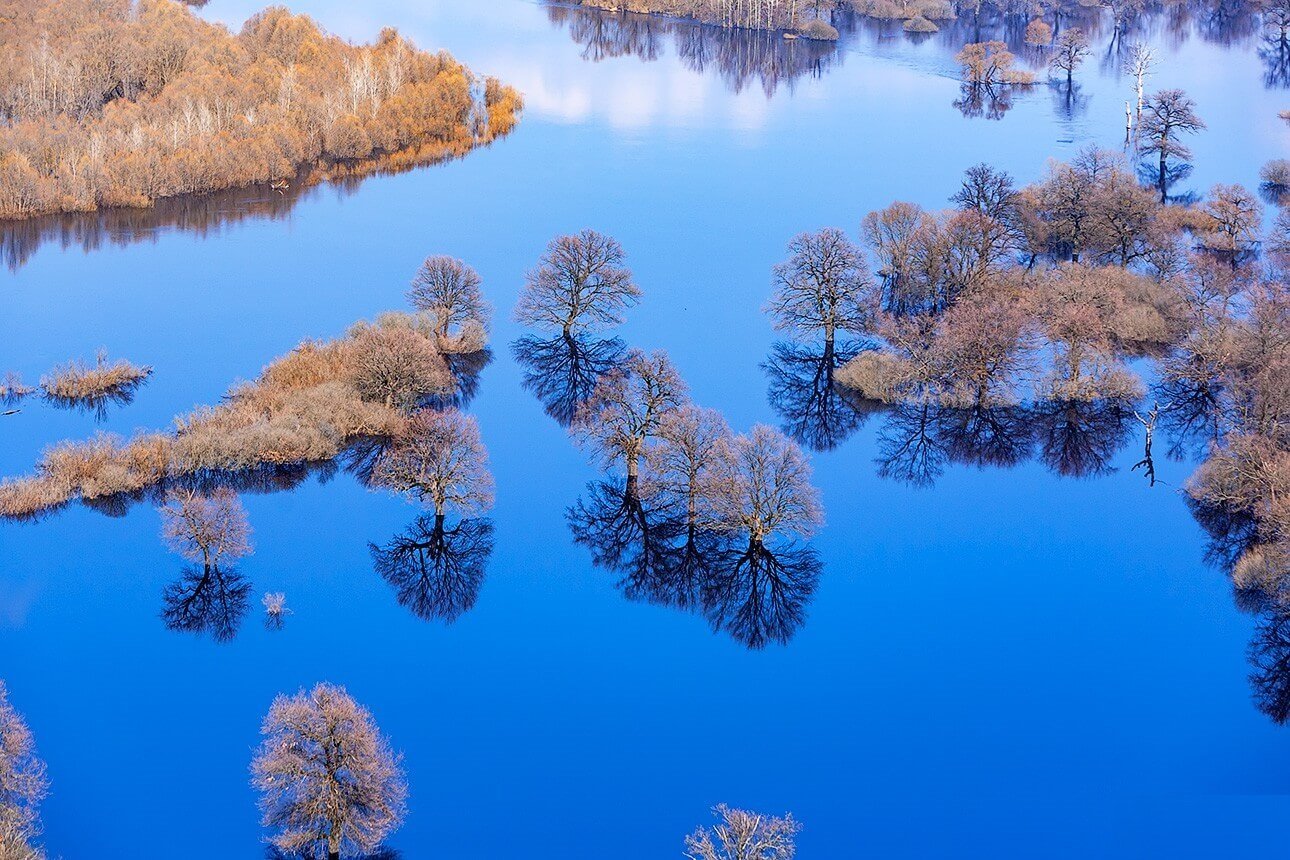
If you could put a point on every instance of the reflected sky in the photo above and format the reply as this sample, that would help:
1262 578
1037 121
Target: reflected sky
1009 655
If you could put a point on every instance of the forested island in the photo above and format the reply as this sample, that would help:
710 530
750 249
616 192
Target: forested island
124 104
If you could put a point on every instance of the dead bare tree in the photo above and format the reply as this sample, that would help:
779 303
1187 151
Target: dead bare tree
741 835
23 785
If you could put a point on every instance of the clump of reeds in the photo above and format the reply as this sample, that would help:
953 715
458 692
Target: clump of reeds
79 382
13 389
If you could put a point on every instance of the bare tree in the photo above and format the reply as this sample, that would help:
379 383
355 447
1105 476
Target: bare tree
624 411
581 282
450 291
741 835
1169 114
207 529
823 286
440 460
329 782
1069 52
398 366
22 784
765 487
1233 217
682 466
1139 62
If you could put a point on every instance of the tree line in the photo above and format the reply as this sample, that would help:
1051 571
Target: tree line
120 104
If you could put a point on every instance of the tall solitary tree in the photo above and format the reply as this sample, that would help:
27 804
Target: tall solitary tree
329 783
450 291
766 489
22 785
1139 62
1169 114
581 282
824 286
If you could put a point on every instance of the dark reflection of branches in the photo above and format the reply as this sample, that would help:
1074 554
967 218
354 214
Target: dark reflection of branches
1078 438
628 538
1069 100
760 596
1275 53
436 572
97 404
909 447
802 390
466 368
739 57
206 599
1149 173
1269 656
563 371
1072 438
755 593
982 100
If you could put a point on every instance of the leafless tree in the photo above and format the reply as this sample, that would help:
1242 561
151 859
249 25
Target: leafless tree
765 487
624 411
1069 52
23 785
682 466
1168 115
1233 219
397 366
440 460
824 286
330 785
741 835
581 282
1139 62
450 291
206 528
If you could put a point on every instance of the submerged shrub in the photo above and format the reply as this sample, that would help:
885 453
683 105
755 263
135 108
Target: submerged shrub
78 381
919 24
821 31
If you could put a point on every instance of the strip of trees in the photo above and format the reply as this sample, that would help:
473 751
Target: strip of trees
121 104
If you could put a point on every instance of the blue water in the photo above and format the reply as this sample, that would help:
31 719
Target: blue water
1007 663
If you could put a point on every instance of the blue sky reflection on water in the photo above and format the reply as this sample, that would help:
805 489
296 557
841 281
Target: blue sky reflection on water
1009 663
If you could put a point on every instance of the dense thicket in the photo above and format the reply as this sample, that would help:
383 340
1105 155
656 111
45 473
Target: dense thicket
751 14
111 102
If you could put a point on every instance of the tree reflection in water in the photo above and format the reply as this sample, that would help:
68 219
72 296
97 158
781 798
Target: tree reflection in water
206 599
813 409
436 571
739 57
755 593
563 371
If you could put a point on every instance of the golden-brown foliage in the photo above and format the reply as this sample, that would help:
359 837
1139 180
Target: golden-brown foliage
78 380
305 407
112 103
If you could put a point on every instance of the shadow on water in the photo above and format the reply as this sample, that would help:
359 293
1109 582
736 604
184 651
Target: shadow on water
740 58
755 593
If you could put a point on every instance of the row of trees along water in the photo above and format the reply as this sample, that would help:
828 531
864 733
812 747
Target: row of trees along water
117 103
330 786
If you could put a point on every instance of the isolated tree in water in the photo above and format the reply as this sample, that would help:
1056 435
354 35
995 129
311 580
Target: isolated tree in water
439 460
1069 52
1167 116
330 784
741 835
580 283
766 488
824 286
207 529
22 785
450 291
